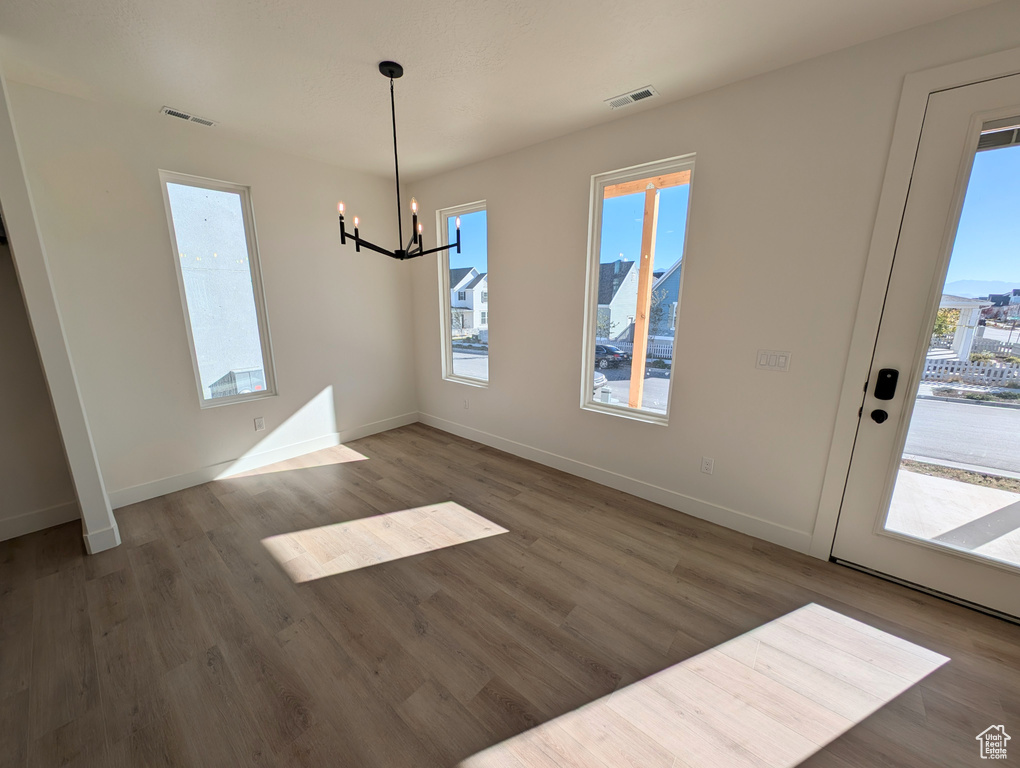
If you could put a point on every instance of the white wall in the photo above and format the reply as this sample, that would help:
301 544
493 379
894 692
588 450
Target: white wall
789 169
36 485
338 319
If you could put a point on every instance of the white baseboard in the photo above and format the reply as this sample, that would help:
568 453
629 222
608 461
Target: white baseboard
729 518
30 522
145 491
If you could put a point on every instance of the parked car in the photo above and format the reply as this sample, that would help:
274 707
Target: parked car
607 356
600 381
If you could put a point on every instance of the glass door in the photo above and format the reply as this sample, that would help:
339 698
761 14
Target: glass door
933 493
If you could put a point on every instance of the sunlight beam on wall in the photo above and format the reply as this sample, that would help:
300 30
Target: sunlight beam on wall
331 549
311 427
773 696
338 454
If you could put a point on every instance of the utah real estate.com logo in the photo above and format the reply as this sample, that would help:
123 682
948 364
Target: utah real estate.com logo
993 742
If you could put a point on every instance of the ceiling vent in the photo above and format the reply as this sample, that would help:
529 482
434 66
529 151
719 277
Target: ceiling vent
629 98
182 115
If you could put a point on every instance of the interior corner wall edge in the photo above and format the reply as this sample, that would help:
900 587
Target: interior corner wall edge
30 260
789 170
337 319
36 483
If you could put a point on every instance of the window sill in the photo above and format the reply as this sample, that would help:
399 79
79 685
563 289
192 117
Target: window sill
235 399
466 380
648 417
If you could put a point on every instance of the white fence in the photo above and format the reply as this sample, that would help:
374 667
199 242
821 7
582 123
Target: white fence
656 349
996 347
989 374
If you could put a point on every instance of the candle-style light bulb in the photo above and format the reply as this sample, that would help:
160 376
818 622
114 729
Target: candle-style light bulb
419 229
355 222
458 222
340 207
414 205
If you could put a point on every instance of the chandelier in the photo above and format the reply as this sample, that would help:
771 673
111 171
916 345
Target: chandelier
415 245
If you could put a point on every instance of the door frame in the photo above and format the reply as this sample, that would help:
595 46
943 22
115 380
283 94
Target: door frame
917 87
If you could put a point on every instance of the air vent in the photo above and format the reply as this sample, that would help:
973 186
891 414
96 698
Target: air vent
187 116
629 98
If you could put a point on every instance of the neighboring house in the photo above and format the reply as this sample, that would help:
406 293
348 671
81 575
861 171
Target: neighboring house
665 300
617 300
469 301
238 382
966 326
1004 306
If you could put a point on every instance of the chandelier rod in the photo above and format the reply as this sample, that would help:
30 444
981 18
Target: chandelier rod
396 165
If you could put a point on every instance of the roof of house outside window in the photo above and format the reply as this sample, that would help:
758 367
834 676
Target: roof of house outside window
611 277
457 276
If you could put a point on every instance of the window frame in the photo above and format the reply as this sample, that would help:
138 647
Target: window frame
254 269
599 182
443 216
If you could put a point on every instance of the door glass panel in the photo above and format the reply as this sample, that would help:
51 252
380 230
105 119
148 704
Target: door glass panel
958 485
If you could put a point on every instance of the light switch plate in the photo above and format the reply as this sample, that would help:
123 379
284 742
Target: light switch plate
773 360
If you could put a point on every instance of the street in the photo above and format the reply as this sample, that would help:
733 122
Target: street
656 387
1002 334
471 363
968 434
475 364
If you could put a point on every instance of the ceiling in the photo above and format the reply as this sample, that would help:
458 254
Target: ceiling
482 77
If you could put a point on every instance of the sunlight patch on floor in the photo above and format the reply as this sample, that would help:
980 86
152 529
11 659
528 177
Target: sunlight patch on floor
331 549
773 696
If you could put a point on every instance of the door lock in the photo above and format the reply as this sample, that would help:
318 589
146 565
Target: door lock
885 385
879 416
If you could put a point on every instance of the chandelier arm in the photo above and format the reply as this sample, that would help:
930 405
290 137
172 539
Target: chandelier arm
396 164
437 249
371 246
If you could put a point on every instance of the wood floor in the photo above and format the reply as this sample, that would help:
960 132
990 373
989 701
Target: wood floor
190 645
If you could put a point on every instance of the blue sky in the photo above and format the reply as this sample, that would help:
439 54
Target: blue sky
988 240
621 231
474 246
622 220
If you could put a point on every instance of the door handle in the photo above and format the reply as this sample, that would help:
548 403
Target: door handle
878 416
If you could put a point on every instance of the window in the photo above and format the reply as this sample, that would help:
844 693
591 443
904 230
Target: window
465 335
213 234
635 264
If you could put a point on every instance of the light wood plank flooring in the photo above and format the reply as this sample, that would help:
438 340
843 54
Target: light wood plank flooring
190 645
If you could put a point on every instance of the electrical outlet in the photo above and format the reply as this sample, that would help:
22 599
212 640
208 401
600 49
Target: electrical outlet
707 465
467 404
260 424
